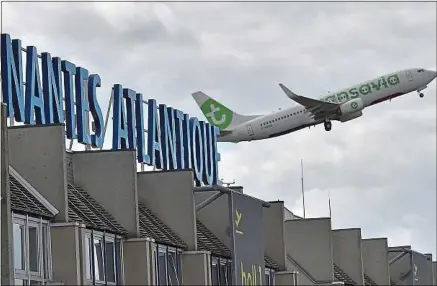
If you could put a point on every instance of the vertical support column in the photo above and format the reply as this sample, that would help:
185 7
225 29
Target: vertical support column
67 252
196 268
7 267
138 261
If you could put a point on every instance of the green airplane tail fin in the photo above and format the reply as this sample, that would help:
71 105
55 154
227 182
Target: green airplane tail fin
217 114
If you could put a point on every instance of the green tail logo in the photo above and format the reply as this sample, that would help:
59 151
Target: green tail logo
217 114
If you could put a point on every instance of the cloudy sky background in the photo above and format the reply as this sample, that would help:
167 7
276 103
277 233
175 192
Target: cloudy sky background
380 169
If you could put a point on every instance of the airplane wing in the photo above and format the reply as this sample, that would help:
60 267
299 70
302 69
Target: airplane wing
319 109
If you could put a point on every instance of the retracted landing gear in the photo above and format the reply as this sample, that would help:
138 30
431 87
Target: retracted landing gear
328 125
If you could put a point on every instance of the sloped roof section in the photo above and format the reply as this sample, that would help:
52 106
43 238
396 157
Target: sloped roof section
151 226
85 209
340 275
23 201
368 280
207 241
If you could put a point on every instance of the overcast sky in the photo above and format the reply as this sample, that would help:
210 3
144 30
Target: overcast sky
380 169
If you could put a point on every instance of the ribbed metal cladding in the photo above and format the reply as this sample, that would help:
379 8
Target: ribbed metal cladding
23 201
151 226
69 163
340 275
85 209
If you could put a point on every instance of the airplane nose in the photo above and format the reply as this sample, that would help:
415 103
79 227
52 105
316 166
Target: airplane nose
433 74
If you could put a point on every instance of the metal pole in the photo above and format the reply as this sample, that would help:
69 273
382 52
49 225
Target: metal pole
397 257
208 201
111 99
232 227
303 193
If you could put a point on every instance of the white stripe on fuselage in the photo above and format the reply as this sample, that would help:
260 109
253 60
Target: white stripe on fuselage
295 118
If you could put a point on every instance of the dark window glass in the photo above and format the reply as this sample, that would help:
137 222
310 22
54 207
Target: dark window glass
173 268
118 261
45 247
162 272
223 280
33 248
215 279
110 263
99 272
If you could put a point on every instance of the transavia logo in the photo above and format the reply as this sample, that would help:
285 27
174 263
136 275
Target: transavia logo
354 105
217 114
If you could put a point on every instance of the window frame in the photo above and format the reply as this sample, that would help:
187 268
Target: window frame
118 258
222 262
165 249
43 252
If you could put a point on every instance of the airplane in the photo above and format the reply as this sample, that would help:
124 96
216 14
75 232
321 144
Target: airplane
343 105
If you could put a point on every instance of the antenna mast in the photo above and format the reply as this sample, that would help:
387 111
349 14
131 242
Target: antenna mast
303 193
329 202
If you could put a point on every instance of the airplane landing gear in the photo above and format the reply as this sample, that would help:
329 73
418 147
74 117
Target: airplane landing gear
421 95
328 125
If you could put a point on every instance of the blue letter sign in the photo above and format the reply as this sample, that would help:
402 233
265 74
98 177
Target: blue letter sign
173 140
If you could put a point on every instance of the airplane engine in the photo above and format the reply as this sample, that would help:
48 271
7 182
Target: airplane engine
350 116
352 106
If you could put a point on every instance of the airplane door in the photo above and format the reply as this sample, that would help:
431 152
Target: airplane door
250 130
409 76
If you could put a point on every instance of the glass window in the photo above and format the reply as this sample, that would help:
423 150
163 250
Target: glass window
103 258
110 261
33 248
88 256
118 257
214 273
173 268
99 272
20 282
19 246
223 279
162 269
45 255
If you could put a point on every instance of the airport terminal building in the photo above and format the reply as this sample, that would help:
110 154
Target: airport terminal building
94 217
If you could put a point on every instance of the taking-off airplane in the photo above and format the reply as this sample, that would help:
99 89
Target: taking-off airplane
343 105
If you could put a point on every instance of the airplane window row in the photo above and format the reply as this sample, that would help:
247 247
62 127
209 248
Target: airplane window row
283 117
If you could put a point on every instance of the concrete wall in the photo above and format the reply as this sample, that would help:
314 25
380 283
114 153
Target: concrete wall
274 235
196 268
66 253
431 276
110 178
38 154
434 272
346 245
309 244
287 278
215 216
7 271
170 196
400 267
375 260
138 262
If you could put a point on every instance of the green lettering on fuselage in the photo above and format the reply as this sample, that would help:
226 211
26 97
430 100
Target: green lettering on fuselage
363 89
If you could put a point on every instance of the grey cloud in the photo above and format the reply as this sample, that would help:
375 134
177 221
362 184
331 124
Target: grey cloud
380 168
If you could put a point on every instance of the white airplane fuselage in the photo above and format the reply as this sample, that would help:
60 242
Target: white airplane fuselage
359 96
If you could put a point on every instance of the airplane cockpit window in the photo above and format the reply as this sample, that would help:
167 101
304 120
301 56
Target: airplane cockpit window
420 70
